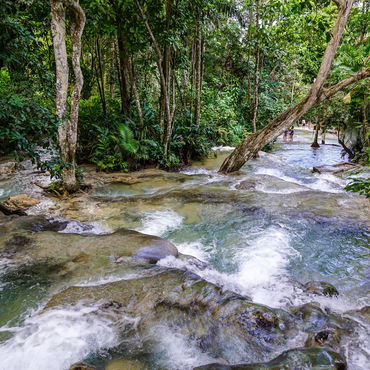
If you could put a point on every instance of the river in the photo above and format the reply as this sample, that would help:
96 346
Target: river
262 233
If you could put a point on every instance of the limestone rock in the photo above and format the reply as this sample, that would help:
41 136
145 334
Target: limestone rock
7 168
18 204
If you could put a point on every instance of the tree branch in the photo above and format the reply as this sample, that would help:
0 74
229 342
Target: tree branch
329 92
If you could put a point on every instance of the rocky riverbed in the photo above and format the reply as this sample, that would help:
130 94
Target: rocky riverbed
267 268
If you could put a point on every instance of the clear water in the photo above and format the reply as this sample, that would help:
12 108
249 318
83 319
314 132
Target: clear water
290 225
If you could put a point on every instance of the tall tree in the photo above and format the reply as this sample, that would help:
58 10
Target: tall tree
67 131
253 143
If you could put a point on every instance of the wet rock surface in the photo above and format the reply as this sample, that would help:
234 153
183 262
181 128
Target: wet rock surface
321 288
77 252
201 309
17 204
298 358
82 366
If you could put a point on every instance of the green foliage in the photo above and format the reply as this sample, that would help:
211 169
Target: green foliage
26 124
359 185
291 40
125 141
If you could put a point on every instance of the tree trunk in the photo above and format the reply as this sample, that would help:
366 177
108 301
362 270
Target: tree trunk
323 136
256 82
124 62
165 68
100 76
198 69
315 143
111 70
67 131
136 94
253 143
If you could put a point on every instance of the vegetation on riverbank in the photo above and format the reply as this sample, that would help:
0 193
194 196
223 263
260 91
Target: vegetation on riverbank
165 81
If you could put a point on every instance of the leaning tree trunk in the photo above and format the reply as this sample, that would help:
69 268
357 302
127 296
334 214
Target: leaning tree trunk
253 143
67 130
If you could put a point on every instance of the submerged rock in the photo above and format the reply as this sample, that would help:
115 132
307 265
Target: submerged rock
18 204
329 337
320 288
297 358
125 365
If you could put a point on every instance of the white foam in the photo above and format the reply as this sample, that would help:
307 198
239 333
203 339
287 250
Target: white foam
159 222
263 269
177 352
267 189
223 148
78 228
198 171
326 183
195 249
267 256
56 339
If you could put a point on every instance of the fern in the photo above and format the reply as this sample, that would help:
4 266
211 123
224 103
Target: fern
125 141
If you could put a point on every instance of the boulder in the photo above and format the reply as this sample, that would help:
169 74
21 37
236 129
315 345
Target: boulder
18 204
297 358
320 288
157 250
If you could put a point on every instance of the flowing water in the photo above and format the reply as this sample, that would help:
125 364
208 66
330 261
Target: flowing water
262 233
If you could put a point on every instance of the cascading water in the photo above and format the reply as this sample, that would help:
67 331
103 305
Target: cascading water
262 234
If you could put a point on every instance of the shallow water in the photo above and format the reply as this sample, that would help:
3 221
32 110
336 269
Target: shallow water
287 225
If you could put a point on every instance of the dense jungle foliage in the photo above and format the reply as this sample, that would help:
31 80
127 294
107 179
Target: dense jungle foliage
230 66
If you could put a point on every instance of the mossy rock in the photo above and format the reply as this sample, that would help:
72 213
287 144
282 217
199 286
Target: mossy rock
321 288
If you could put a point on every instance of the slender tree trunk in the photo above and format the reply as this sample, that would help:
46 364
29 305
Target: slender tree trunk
323 136
254 106
136 94
315 143
198 69
111 70
193 58
251 20
67 131
100 75
123 71
165 68
253 143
